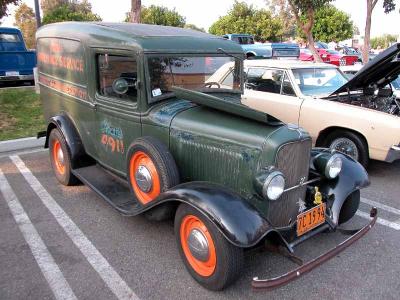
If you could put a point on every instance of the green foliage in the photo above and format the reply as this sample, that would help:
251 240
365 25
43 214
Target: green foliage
305 5
389 5
383 41
49 5
67 12
244 18
331 24
281 10
3 6
160 15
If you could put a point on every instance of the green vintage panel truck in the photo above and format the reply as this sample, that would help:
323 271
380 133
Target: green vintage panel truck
131 114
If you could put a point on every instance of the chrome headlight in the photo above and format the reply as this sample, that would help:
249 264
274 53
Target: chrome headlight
333 166
274 185
329 165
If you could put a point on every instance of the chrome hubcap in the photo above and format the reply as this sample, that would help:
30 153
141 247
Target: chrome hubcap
143 179
60 156
198 245
345 146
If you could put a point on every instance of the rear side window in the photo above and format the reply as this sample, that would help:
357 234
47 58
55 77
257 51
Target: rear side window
117 76
9 37
264 80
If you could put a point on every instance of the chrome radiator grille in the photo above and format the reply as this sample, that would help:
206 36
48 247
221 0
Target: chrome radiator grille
292 160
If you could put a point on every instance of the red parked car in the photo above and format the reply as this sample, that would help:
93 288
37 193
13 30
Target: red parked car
329 56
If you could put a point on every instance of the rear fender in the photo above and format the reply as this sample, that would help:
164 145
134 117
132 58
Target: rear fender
235 218
72 138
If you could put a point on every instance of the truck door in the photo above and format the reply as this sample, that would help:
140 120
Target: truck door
271 91
117 114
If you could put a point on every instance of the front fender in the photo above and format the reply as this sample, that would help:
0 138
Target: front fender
352 177
235 218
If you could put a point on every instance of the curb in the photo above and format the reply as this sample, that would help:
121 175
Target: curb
20 144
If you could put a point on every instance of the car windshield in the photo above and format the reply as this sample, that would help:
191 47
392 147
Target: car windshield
319 81
191 72
396 83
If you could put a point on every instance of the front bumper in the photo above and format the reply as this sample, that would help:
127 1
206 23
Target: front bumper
269 284
393 154
16 78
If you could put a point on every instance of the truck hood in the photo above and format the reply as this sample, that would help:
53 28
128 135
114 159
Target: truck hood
229 103
378 72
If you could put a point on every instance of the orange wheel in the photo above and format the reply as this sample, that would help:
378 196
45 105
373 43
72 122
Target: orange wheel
198 245
58 157
208 256
144 177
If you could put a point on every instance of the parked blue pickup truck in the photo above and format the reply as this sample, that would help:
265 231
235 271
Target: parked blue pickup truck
266 50
16 61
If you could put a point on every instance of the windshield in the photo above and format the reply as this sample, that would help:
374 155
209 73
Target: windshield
396 83
319 81
191 72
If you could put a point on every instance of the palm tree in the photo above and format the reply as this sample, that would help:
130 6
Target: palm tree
135 11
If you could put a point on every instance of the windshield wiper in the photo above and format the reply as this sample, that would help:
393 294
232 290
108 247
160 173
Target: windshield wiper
229 54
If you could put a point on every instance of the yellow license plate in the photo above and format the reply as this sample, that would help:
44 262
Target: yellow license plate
310 219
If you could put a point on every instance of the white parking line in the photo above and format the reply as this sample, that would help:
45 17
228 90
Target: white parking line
381 221
115 283
22 152
52 273
381 206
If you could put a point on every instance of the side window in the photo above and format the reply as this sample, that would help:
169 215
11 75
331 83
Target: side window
264 80
287 88
117 76
235 39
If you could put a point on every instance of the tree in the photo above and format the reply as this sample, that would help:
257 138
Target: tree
331 24
388 6
281 10
304 13
136 7
194 27
3 7
160 15
50 5
244 18
25 20
68 13
383 41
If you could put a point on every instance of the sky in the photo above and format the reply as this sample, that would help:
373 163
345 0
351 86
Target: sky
205 12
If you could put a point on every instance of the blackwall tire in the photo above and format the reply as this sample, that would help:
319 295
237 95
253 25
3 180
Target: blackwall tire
349 207
60 158
224 262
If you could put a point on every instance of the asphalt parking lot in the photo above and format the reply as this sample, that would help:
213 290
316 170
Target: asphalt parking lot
67 243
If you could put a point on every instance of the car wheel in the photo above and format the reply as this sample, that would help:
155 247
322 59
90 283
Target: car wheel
349 207
151 169
208 256
350 144
60 158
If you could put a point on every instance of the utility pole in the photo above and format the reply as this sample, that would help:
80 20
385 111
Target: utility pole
37 14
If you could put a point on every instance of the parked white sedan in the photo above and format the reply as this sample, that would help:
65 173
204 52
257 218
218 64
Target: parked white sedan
359 117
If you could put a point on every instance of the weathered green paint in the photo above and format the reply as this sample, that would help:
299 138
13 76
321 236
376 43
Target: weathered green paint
226 144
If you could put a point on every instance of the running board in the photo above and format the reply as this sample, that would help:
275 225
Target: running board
110 188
